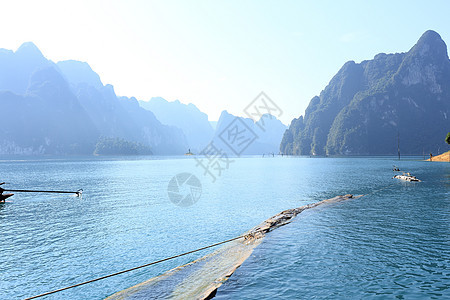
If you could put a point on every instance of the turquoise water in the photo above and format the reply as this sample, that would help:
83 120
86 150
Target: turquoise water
394 242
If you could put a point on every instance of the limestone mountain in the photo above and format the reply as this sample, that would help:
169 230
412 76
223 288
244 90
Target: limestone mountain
368 105
63 108
120 117
78 72
17 67
267 133
47 118
187 117
164 139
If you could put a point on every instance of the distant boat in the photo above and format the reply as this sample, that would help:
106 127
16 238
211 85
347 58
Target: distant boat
395 169
407 177
189 153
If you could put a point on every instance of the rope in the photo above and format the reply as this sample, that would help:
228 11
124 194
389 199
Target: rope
135 268
247 236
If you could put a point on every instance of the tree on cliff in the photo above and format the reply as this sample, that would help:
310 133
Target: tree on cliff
447 139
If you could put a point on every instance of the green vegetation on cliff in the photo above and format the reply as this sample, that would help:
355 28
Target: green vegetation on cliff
367 105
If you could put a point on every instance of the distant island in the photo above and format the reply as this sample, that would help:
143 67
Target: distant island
118 146
372 107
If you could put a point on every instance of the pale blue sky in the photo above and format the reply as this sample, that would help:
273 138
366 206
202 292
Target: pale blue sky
220 54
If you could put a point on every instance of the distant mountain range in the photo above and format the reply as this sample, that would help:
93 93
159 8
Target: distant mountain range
242 136
64 108
200 133
367 107
187 117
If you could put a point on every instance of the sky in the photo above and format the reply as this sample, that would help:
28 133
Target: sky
219 55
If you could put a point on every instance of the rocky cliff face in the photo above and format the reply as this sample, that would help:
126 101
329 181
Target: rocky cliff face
242 136
64 108
187 117
366 106
47 118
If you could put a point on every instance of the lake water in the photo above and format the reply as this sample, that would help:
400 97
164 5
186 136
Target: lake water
392 243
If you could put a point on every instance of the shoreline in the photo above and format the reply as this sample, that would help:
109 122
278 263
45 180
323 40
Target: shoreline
444 157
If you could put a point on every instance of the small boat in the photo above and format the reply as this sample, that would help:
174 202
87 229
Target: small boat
3 197
407 177
189 153
395 169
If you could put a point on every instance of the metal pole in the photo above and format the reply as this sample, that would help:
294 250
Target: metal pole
79 192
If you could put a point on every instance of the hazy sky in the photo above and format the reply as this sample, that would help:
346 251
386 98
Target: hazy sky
220 54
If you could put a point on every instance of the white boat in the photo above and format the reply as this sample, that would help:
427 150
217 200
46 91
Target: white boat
407 177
